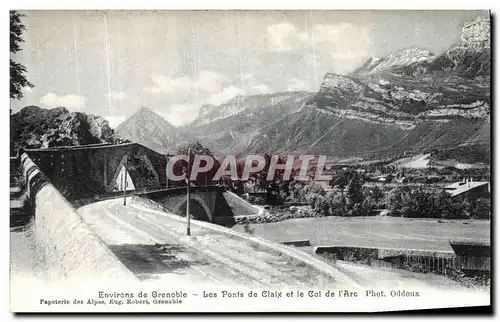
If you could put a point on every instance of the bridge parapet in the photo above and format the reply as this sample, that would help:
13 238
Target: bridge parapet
71 248
87 171
87 174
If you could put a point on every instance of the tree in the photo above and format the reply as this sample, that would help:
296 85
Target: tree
337 203
396 199
417 203
196 148
321 205
353 192
482 209
17 70
204 178
377 194
353 197
341 179
443 204
422 204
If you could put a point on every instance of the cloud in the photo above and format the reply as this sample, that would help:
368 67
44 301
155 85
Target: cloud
118 95
27 89
210 81
260 89
212 88
180 114
225 95
347 44
72 102
296 85
114 121
286 37
250 85
281 37
206 81
345 39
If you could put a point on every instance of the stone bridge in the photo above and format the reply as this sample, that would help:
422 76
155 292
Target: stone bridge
87 174
207 203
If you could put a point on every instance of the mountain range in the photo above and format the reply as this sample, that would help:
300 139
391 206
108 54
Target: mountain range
231 132
409 100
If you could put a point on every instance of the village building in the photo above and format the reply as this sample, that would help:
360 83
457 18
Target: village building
469 188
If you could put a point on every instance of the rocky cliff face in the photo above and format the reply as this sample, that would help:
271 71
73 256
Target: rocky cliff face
476 34
394 60
35 127
413 86
470 57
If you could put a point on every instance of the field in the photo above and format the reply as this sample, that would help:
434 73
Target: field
389 232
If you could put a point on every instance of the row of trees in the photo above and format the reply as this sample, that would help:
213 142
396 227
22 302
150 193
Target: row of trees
417 203
353 199
350 198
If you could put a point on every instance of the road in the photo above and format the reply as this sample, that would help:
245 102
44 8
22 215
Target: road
154 246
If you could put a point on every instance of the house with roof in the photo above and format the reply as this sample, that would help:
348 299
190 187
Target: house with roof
469 188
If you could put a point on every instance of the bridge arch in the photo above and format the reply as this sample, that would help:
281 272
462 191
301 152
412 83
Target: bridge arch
199 208
136 164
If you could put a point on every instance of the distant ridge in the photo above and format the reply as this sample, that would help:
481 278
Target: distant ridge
409 101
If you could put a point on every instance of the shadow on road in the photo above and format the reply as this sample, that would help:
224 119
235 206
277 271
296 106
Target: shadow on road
148 261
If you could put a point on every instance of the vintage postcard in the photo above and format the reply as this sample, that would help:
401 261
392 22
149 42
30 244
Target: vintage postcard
250 161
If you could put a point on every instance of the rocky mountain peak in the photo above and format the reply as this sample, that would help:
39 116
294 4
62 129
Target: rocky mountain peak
416 52
146 116
403 57
476 33
146 112
35 127
151 130
340 82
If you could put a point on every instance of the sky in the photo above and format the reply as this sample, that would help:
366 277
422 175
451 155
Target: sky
111 63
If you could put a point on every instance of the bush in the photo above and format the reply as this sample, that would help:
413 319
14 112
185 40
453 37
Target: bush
479 208
417 203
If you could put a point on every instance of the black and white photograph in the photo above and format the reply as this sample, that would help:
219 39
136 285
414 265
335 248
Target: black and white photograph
328 161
